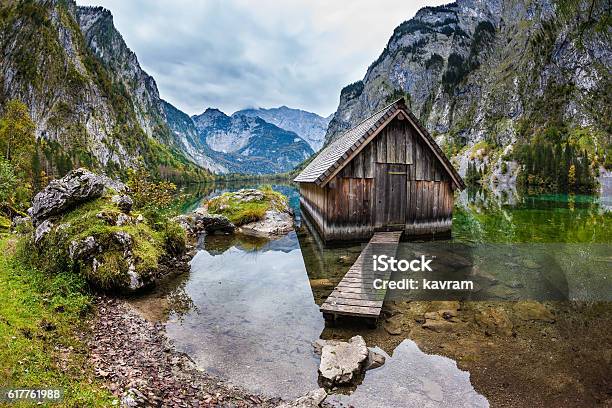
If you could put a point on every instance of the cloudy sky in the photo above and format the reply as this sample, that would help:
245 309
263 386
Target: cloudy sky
233 54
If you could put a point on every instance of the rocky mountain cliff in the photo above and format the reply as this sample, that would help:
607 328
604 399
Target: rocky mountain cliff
91 102
486 77
247 144
309 126
186 133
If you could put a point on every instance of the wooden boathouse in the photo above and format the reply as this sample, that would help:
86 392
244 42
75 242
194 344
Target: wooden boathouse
385 174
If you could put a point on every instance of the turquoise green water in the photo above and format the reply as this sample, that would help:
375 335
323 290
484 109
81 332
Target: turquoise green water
248 311
487 217
548 218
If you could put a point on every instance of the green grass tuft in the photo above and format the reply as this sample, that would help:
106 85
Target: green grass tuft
38 317
240 212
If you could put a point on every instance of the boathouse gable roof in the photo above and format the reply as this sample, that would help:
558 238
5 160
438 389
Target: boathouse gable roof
340 152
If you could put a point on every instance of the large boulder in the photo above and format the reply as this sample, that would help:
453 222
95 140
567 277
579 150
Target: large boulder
74 188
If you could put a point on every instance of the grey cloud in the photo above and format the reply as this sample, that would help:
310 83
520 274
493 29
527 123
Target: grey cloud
234 54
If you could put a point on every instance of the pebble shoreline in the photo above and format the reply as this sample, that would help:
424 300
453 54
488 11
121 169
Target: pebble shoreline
137 363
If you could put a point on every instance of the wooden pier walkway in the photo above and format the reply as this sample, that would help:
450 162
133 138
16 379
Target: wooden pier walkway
355 294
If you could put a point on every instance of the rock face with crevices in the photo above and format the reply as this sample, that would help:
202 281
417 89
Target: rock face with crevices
492 74
76 187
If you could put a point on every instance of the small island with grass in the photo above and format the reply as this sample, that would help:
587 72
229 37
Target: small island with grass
259 212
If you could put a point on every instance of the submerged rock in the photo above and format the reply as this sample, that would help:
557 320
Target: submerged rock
392 327
532 310
494 321
444 318
76 187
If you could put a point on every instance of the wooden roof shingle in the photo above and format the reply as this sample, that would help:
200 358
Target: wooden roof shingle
335 155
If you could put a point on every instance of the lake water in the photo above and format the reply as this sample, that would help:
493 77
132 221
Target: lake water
248 311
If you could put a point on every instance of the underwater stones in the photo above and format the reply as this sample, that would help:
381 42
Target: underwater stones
443 305
444 318
123 202
346 260
76 187
494 321
321 283
342 362
530 264
532 310
440 326
392 327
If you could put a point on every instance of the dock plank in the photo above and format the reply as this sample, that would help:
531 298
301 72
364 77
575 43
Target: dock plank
354 295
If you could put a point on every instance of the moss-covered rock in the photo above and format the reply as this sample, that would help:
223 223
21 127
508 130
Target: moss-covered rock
113 250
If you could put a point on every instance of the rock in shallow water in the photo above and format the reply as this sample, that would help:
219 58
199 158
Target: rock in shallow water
494 321
532 310
273 223
342 362
312 399
375 360
200 221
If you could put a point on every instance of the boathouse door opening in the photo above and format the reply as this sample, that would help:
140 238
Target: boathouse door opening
390 184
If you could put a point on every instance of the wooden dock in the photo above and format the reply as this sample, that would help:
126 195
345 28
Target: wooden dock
355 294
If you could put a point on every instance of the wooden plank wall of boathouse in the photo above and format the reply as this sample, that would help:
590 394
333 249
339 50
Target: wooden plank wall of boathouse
349 206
